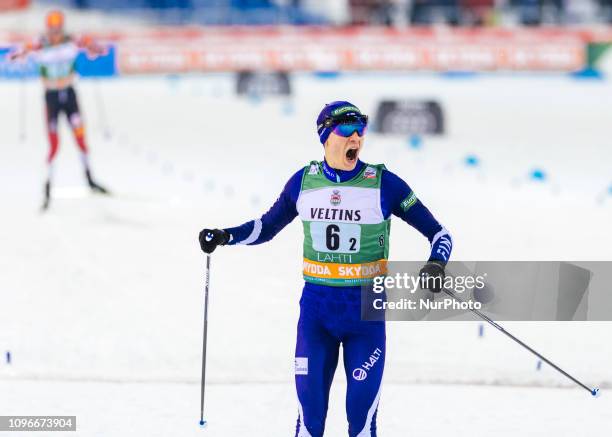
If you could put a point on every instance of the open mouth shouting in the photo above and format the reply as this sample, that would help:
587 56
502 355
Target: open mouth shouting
352 152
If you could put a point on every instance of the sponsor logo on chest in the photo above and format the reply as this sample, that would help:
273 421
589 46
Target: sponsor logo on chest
330 214
341 204
335 198
369 173
339 214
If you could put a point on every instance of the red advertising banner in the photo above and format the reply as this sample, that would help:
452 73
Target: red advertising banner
309 57
339 50
198 49
321 49
7 5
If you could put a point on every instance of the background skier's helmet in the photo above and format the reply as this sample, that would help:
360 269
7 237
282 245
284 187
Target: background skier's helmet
55 20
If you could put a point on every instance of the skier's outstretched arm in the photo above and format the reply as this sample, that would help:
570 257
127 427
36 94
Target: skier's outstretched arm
92 48
260 230
24 51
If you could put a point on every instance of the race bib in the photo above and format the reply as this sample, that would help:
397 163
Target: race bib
335 237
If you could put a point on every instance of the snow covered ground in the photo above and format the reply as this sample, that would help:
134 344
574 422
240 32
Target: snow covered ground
159 410
101 298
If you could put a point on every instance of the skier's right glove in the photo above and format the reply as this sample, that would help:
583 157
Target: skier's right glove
211 238
432 276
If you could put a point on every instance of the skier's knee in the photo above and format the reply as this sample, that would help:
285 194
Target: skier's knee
77 125
52 126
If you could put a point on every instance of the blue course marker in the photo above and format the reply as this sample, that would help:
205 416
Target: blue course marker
538 174
415 141
327 74
472 161
8 357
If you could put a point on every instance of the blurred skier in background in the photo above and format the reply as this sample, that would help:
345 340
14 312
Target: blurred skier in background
56 53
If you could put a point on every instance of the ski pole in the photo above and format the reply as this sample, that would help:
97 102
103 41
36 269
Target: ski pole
203 382
593 391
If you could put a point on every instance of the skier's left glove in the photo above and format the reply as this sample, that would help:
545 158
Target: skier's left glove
211 238
432 276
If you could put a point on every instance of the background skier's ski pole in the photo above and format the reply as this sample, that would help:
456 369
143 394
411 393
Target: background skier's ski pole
593 391
203 385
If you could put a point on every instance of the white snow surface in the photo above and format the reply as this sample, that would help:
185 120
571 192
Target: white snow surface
102 297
